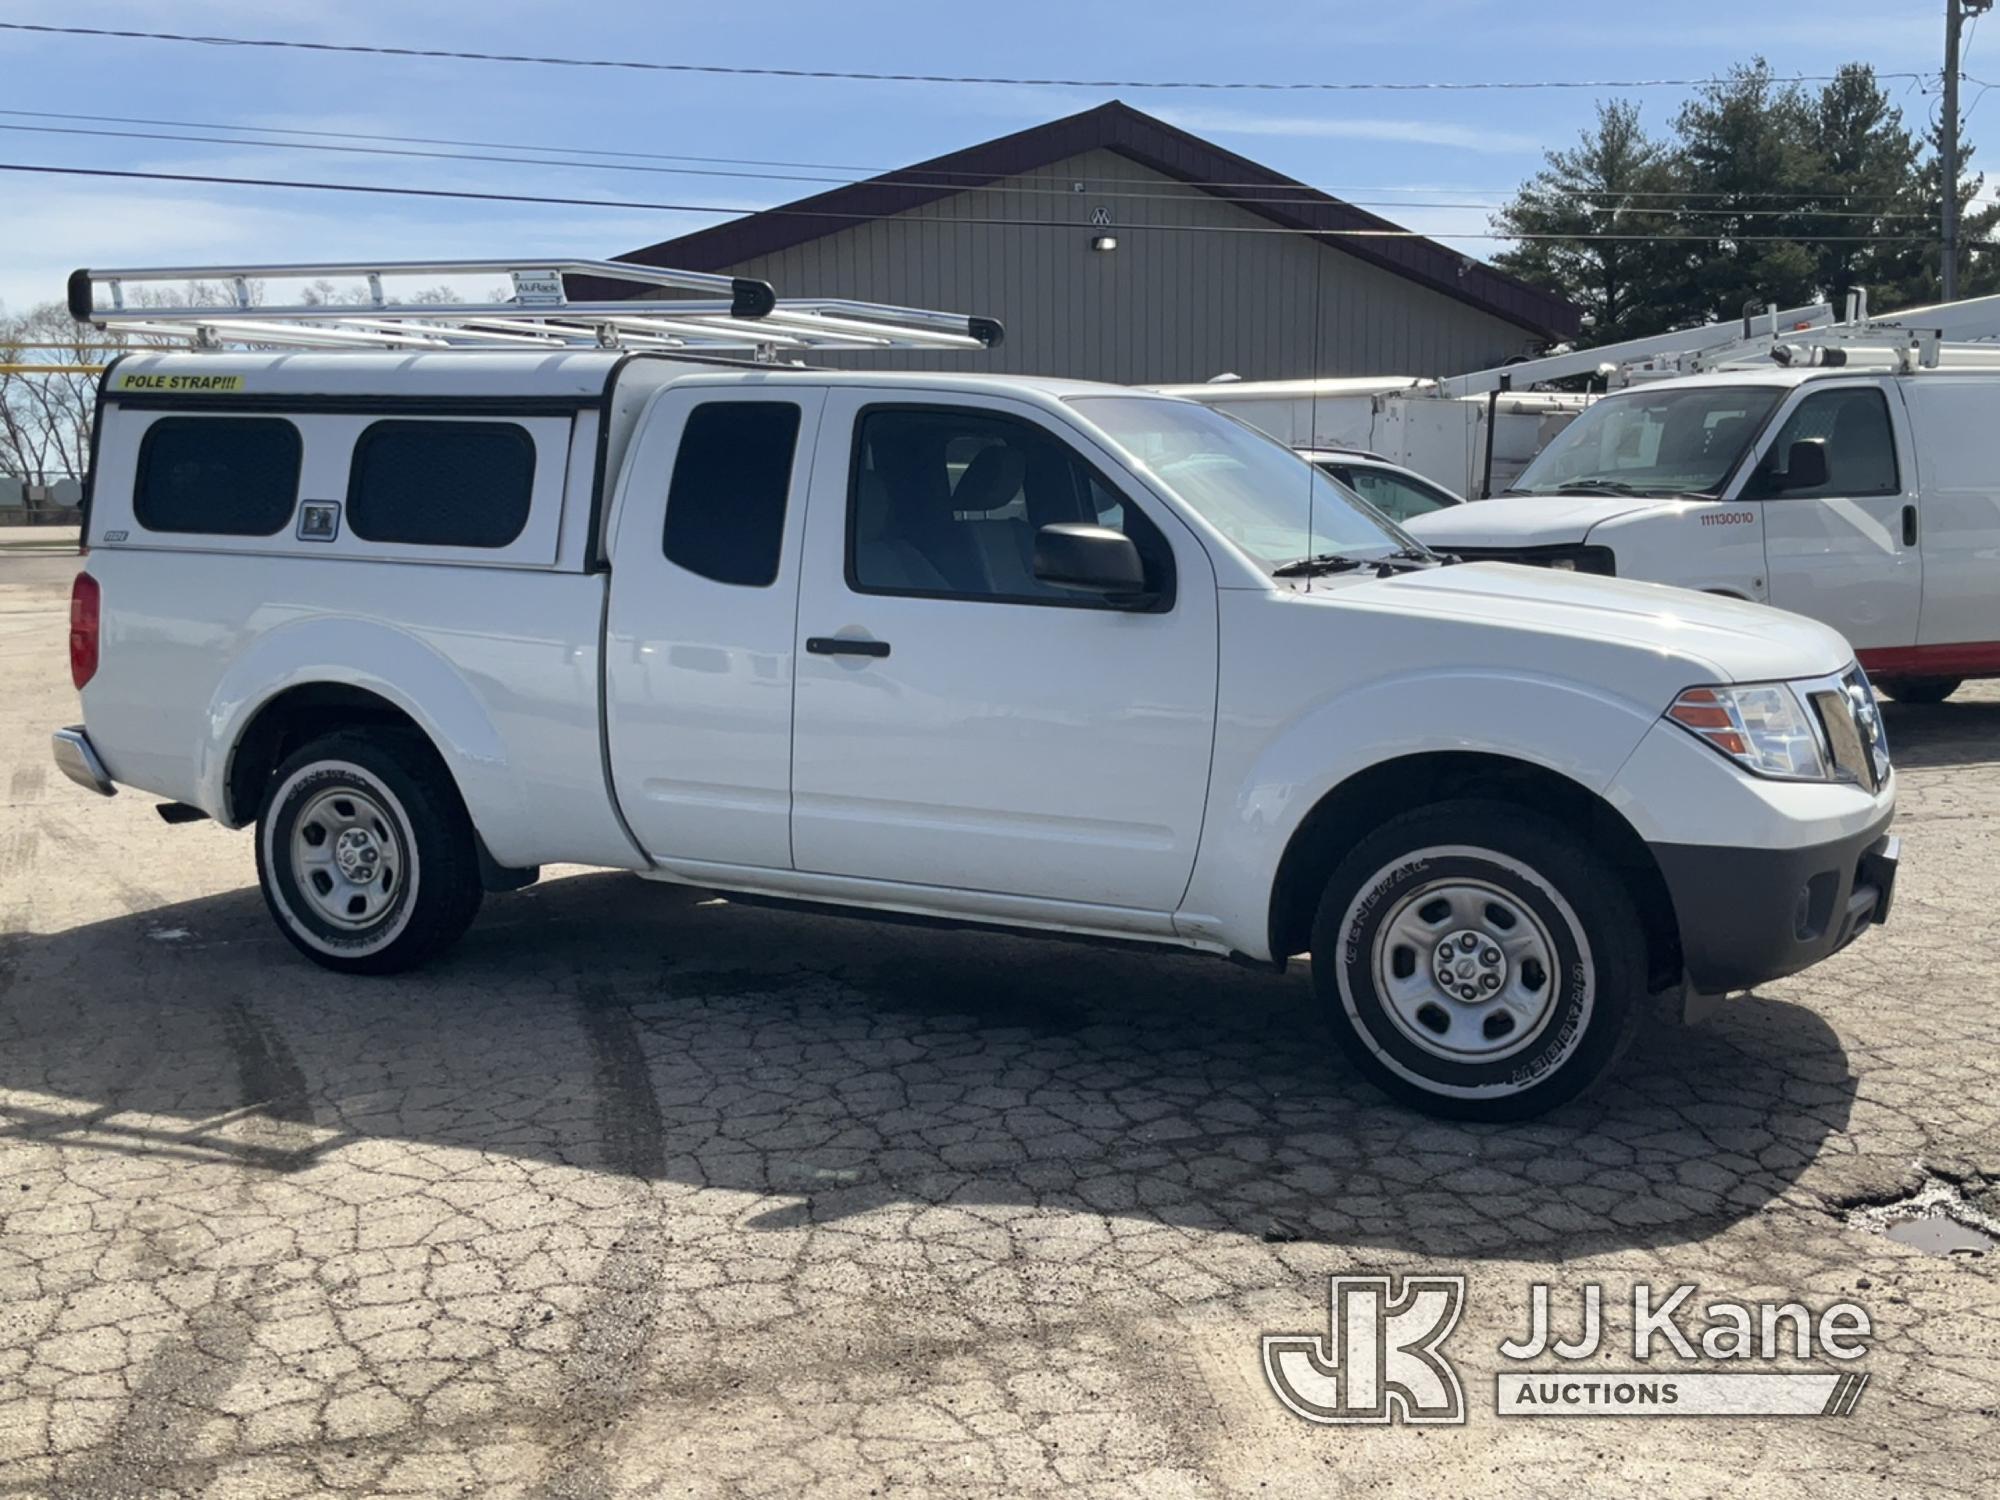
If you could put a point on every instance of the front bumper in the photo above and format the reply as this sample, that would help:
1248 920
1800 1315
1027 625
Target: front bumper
1751 915
77 759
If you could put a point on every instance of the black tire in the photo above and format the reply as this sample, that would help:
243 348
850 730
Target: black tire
419 887
1919 689
1523 1049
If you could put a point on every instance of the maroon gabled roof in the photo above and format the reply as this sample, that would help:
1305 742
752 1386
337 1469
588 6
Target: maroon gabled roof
1153 143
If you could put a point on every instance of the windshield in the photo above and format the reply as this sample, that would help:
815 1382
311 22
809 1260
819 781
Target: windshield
1659 442
1250 487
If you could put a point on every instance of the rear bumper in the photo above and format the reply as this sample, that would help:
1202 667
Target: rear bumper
1751 915
77 759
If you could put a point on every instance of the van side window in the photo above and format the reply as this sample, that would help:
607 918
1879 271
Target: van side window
225 476
726 501
945 502
441 484
1860 447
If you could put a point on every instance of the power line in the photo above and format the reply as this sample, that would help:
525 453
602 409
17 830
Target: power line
854 76
470 195
495 158
945 176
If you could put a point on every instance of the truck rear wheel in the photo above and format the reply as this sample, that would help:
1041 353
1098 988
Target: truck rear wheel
1481 963
365 854
1919 689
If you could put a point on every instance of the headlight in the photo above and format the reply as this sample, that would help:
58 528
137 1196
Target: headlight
1764 727
1582 560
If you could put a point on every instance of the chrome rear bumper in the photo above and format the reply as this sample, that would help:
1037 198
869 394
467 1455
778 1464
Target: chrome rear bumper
77 759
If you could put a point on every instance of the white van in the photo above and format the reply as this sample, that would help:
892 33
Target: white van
1868 499
1404 420
1030 653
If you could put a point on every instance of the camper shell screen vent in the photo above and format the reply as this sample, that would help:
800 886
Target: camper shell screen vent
441 484
219 476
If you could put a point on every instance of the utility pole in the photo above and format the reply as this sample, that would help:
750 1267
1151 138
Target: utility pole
1955 12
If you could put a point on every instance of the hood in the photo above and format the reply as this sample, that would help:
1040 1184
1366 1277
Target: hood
1720 639
1524 520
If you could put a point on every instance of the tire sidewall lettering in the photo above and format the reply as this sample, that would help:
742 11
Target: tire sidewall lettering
1562 1034
281 882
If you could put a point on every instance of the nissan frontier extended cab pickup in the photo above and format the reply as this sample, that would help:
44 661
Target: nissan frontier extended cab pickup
1028 653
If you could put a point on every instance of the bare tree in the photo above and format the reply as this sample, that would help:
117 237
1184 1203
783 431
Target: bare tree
325 293
45 415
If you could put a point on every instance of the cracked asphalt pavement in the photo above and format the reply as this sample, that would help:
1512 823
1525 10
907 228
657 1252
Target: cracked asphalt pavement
641 1192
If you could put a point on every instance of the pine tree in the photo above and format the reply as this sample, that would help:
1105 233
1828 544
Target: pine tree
1749 170
1869 179
1616 181
1764 193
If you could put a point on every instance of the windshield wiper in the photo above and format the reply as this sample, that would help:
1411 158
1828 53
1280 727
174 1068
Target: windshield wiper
1609 486
1338 562
1322 562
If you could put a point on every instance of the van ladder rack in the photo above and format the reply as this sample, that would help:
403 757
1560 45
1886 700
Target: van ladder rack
1962 334
696 312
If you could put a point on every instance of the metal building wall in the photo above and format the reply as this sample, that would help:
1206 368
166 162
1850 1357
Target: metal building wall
1169 304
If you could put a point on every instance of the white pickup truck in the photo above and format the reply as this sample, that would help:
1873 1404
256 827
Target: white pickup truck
1030 653
1868 498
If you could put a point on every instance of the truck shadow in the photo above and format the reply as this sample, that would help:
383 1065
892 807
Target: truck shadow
818 1068
1955 733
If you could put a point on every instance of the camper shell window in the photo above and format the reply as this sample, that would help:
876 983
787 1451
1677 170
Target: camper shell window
441 484
219 476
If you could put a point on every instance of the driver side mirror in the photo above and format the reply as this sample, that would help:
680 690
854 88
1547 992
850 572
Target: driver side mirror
1805 466
1091 560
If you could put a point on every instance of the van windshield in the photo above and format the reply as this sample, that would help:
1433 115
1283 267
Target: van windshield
1658 442
1249 486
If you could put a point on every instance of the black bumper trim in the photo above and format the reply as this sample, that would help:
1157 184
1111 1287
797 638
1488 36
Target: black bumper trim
1751 915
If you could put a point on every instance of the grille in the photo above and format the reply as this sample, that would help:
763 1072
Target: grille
1853 727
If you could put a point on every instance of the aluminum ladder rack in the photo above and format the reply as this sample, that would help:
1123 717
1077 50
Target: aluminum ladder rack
695 312
1610 361
1945 335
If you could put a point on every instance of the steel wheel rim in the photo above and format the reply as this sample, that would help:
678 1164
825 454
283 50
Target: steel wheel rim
1466 970
349 857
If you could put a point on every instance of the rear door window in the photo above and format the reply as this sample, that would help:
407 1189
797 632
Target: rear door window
219 476
726 502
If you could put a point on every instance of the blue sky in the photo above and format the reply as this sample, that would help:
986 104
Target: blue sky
1380 148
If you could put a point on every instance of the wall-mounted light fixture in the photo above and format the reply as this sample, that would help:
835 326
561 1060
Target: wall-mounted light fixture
1104 242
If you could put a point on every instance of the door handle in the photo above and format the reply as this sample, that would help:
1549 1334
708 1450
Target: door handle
1909 526
844 645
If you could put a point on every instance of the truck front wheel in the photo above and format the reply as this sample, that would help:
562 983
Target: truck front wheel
1481 963
365 853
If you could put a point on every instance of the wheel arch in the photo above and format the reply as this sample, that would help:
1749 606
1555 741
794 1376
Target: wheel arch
1369 798
293 717
324 674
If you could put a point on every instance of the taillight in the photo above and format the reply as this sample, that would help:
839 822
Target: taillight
83 617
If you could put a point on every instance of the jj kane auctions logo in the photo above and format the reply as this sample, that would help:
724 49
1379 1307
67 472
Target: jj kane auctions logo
1381 1358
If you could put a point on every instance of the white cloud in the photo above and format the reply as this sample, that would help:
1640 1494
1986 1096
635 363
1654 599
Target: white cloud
1354 128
